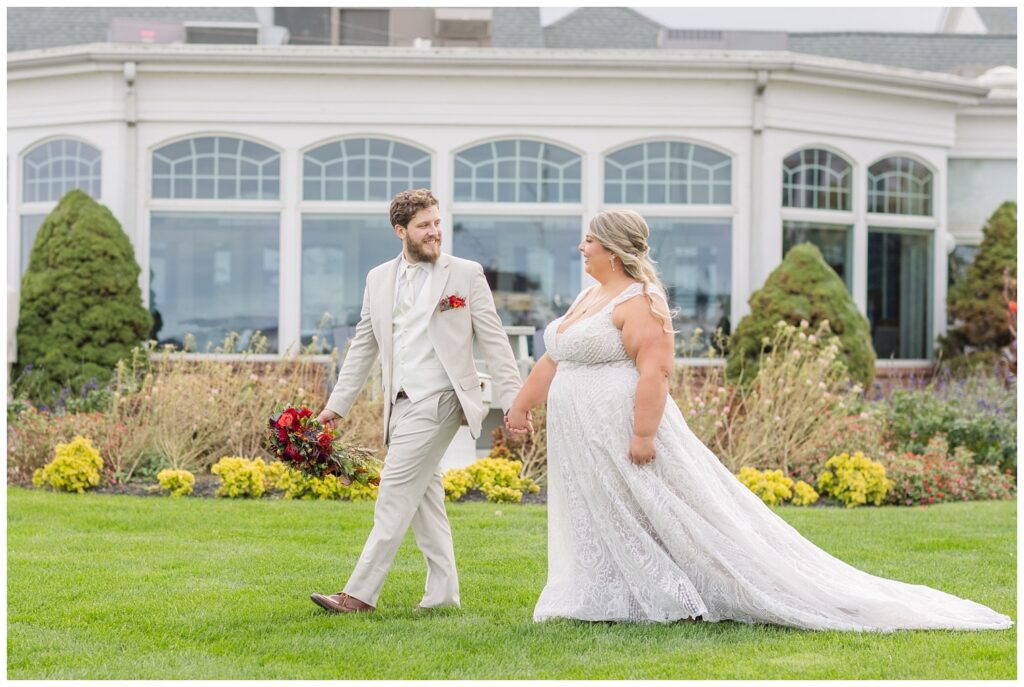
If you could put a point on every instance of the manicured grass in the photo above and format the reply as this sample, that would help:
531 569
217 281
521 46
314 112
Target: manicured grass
146 588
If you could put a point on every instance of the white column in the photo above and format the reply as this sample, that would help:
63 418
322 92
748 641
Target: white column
860 237
443 189
592 198
289 292
940 253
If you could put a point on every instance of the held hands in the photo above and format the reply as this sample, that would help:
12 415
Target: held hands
517 421
328 418
641 450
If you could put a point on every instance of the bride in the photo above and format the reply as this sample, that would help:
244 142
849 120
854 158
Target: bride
644 523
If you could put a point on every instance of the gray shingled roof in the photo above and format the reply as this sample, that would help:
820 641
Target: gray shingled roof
602 27
999 20
47 27
962 54
517 27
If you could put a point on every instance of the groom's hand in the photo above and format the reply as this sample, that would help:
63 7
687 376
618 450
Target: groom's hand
328 418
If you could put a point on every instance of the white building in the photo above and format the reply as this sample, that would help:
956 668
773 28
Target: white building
253 180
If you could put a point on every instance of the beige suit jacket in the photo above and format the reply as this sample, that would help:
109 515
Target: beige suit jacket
451 333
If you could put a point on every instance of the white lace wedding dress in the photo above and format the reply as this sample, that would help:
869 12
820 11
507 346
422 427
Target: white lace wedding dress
682 537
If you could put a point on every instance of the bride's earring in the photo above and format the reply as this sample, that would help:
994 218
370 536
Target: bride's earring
611 259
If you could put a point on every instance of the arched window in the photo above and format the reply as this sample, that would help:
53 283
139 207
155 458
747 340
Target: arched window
217 167
664 172
517 171
899 186
815 178
52 169
363 169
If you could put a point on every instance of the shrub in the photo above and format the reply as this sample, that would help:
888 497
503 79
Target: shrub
854 480
456 483
32 435
771 485
240 477
978 413
75 467
192 411
81 308
801 397
863 430
988 483
296 485
802 287
497 478
273 472
930 477
176 482
981 327
803 494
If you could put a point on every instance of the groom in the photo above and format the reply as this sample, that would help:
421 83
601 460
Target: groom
420 314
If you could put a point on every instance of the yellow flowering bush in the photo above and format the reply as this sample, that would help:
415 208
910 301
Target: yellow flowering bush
803 494
456 483
177 482
771 485
240 477
854 480
497 478
296 485
75 467
501 494
273 472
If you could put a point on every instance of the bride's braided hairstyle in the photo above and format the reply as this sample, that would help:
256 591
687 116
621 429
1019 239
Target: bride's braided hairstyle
624 233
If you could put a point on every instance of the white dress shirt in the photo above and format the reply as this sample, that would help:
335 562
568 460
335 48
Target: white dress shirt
416 369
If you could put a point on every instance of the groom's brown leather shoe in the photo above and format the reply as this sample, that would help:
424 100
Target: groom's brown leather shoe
341 603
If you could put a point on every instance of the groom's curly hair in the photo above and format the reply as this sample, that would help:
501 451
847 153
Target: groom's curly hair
407 203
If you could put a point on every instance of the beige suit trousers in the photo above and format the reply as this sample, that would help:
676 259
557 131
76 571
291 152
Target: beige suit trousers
411 493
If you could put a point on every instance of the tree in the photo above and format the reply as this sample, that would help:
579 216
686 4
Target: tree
977 303
803 287
81 307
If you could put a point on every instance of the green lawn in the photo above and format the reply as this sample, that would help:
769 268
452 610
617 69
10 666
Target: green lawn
147 588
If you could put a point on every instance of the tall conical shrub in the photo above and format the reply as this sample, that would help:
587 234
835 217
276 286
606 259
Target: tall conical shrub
803 287
81 308
976 302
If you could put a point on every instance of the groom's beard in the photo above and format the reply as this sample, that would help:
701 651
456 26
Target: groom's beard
419 252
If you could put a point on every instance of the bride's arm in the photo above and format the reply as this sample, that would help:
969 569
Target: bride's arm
533 393
653 351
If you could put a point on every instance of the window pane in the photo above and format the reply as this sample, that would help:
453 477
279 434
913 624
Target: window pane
899 293
370 168
816 178
695 263
213 274
532 265
834 241
688 169
959 260
52 169
900 186
212 166
29 229
526 165
337 253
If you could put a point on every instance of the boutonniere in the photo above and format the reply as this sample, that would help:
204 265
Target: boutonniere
451 302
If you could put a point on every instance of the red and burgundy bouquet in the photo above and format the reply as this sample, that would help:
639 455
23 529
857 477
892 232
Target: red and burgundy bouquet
302 443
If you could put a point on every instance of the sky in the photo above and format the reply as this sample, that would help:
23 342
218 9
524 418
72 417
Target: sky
791 19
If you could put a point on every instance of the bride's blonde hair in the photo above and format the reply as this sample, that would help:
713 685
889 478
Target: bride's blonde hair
624 233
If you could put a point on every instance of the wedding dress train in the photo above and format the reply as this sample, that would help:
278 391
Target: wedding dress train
682 537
